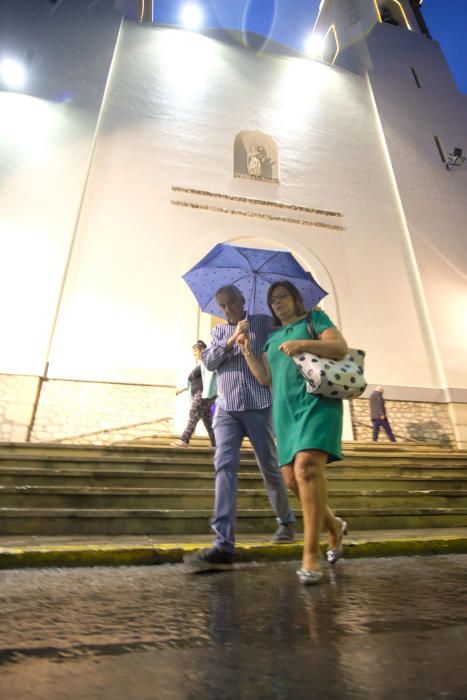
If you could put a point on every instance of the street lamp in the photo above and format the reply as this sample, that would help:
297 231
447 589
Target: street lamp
455 159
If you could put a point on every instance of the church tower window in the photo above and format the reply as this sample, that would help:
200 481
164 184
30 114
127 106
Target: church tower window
415 77
331 45
392 12
440 148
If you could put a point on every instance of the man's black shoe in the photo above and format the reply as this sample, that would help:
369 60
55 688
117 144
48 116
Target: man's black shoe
284 534
212 559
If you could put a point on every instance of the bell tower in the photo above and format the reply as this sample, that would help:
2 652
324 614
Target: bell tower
343 27
420 117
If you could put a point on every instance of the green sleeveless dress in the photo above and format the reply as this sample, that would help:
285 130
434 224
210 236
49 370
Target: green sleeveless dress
301 421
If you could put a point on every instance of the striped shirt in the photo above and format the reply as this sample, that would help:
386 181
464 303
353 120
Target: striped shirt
237 388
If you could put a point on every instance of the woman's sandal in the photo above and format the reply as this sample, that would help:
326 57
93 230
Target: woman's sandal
333 554
309 578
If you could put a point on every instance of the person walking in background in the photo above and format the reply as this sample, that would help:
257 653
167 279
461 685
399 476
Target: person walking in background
308 427
243 409
378 414
202 386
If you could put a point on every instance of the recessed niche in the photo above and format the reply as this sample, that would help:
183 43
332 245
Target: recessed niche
255 157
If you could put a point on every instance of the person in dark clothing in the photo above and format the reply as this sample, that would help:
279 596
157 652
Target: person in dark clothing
378 414
202 386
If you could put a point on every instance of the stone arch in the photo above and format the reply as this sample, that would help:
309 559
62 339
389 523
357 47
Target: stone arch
256 157
305 256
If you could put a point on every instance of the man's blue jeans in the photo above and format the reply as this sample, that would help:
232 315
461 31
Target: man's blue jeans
230 427
382 423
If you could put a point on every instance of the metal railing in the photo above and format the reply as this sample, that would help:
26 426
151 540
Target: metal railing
104 431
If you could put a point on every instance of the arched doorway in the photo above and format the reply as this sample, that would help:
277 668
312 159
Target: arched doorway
304 255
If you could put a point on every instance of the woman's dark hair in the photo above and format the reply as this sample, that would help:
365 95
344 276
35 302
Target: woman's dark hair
200 344
293 291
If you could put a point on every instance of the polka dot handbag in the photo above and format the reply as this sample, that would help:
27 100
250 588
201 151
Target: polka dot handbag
332 379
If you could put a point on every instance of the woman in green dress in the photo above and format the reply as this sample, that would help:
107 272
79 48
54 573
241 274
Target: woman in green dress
308 428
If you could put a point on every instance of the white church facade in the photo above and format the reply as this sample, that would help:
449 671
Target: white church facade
169 142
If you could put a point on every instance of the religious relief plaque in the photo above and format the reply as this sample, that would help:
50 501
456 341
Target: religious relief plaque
255 157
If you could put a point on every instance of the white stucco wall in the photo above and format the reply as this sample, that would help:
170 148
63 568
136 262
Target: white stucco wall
174 106
46 136
434 200
361 145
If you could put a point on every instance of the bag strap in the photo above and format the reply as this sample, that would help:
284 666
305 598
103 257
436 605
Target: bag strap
309 326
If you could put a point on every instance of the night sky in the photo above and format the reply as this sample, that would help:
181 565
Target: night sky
290 21
447 22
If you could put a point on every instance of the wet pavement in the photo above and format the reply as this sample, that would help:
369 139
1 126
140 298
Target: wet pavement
374 629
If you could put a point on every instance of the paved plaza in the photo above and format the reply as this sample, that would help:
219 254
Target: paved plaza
374 629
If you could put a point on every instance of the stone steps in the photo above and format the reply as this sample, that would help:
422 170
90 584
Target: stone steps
155 489
56 521
108 478
200 447
183 460
196 498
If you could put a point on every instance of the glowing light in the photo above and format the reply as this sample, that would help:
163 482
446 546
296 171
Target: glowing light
192 17
314 45
332 28
27 124
12 73
25 247
378 14
191 58
403 14
298 93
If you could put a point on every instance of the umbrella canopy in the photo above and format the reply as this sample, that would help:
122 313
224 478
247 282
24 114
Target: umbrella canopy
253 271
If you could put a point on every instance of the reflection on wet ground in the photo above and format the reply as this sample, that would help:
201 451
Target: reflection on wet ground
379 628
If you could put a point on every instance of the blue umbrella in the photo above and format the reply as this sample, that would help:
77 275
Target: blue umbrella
253 271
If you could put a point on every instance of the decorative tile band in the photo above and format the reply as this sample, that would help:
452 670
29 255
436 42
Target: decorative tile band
253 200
256 215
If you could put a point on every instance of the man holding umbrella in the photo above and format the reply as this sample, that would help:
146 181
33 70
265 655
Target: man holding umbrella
243 409
228 279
